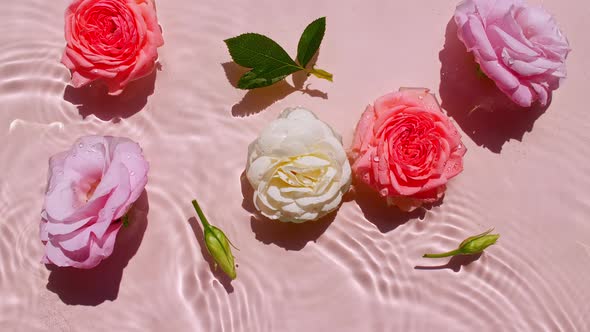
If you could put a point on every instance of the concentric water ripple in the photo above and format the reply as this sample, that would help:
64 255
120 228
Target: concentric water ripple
359 270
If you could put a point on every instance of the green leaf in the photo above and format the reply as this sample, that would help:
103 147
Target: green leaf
125 220
268 60
310 41
259 78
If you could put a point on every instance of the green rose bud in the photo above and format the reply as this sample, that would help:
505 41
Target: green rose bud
470 246
478 243
217 244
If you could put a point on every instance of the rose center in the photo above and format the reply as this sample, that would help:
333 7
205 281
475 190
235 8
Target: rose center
307 171
110 26
299 177
92 189
412 146
108 30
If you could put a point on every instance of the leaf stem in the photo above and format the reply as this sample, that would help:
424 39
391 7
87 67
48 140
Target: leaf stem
201 214
320 73
444 254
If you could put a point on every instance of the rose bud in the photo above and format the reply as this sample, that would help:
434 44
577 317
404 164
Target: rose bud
217 244
470 246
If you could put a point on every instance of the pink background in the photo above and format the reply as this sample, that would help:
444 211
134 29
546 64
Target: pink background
358 271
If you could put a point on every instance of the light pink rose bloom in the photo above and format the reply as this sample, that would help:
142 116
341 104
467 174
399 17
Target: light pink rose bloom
90 187
114 41
517 46
405 148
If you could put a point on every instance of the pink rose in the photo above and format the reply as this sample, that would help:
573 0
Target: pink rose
519 47
90 187
405 148
114 41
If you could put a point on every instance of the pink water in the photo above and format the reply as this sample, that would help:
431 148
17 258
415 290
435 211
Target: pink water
526 174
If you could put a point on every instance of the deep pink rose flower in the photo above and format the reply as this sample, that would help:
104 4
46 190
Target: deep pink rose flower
114 41
405 148
90 187
519 47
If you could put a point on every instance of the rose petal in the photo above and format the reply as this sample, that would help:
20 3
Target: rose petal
297 167
78 219
532 47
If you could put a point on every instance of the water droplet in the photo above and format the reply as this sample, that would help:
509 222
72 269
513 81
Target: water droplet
132 173
420 97
81 145
510 61
376 159
383 192
459 147
128 156
60 173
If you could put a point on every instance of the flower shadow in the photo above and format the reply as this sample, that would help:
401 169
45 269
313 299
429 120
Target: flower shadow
455 263
482 111
289 236
218 273
386 218
257 100
95 286
94 99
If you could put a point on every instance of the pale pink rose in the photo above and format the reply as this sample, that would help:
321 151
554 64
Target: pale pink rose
405 148
114 41
519 47
90 187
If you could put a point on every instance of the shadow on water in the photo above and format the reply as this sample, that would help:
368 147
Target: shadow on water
385 217
484 112
94 99
455 263
288 235
257 100
95 286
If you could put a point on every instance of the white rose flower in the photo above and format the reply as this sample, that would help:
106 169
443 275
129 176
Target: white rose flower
298 168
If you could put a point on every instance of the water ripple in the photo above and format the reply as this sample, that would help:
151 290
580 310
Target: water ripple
362 270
